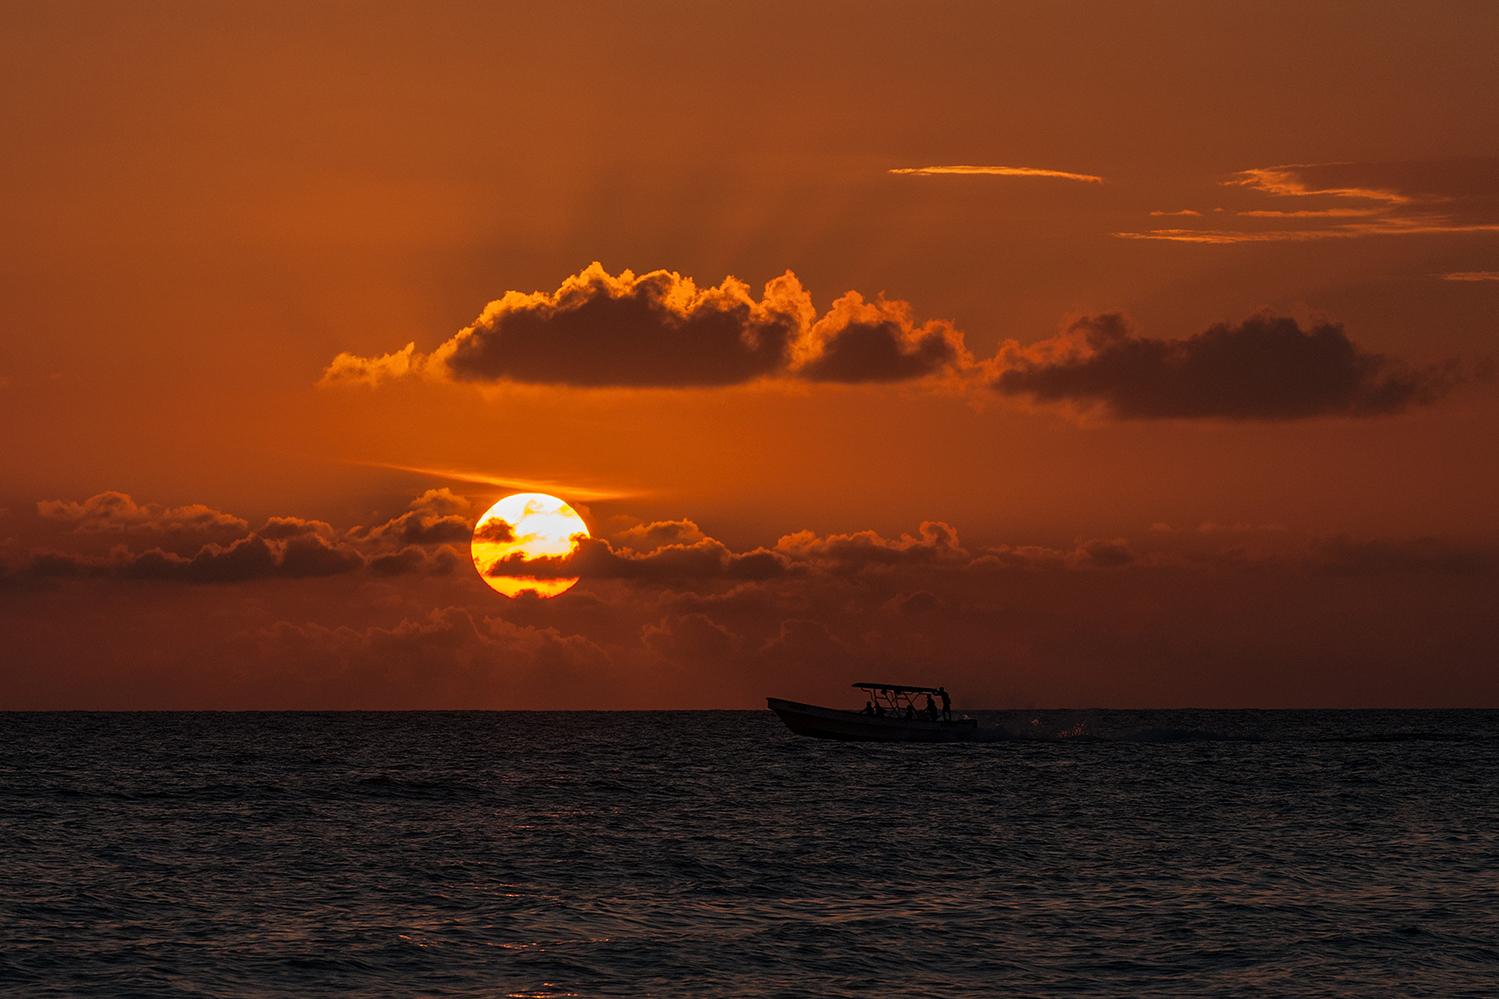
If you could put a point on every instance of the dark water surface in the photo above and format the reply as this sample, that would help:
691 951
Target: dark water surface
713 854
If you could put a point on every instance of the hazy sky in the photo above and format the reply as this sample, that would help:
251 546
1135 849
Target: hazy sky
1181 392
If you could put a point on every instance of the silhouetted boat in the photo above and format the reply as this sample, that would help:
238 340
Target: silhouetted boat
891 716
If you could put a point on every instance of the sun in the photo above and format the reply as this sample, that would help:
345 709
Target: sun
533 524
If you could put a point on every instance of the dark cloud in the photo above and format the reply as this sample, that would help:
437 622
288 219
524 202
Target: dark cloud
301 557
284 548
876 353
683 626
655 330
401 563
920 602
436 517
1105 554
1266 368
649 537
865 550
281 528
496 531
116 511
1345 557
861 342
595 558
660 330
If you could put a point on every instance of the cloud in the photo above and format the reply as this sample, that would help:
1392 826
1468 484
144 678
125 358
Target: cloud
435 519
860 342
866 550
115 511
595 558
351 369
996 171
576 490
281 528
1429 197
1345 557
660 534
496 531
251 558
283 548
1471 276
659 330
1266 368
655 330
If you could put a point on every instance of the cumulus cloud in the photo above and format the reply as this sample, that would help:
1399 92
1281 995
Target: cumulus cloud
659 330
596 558
250 558
859 342
436 517
1266 368
866 550
281 528
659 534
283 548
116 512
495 531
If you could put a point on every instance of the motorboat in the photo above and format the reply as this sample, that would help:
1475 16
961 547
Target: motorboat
890 714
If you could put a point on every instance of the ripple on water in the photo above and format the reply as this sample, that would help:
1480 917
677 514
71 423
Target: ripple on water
713 854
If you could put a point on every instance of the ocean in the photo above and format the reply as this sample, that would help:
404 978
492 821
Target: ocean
1086 853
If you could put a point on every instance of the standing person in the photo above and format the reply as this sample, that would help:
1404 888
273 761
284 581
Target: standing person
931 709
946 704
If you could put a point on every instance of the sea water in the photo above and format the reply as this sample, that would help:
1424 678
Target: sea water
715 854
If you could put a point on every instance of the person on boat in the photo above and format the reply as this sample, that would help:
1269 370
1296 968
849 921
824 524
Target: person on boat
931 709
868 708
910 711
879 711
946 704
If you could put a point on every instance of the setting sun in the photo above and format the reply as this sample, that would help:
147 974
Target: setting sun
534 525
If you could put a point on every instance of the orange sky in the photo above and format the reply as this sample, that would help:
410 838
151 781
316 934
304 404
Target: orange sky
1191 365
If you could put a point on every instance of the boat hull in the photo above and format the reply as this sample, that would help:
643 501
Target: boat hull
852 726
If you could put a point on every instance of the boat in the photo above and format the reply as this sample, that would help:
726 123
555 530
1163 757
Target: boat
890 715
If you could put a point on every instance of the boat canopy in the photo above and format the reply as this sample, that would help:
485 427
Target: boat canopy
896 688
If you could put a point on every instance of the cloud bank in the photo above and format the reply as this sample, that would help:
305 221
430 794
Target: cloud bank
660 331
666 616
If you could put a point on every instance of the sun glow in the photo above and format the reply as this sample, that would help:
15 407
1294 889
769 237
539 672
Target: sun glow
534 525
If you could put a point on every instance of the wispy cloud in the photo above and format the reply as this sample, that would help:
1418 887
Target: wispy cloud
1291 181
1471 276
996 171
1391 199
570 490
1386 227
1320 213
